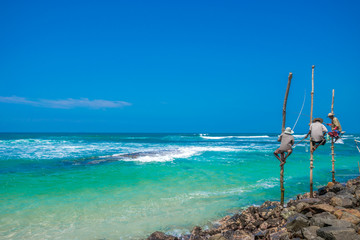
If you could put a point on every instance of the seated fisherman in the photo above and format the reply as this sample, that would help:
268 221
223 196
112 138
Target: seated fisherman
287 140
317 133
335 127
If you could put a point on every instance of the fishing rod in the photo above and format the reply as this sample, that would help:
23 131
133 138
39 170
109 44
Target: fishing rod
302 107
357 144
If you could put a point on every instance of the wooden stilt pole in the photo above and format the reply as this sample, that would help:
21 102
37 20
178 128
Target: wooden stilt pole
282 189
285 102
311 145
332 142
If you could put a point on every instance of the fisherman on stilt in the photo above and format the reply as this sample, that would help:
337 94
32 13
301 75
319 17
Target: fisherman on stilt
287 141
317 133
335 127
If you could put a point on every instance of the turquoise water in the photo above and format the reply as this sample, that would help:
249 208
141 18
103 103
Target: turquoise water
125 186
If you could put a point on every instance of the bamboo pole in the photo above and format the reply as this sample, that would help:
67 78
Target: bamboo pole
332 142
311 145
285 101
282 189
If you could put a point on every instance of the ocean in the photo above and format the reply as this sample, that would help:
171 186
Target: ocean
126 186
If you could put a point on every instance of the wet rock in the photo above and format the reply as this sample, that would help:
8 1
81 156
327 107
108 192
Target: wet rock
246 217
325 222
301 206
337 188
357 193
274 222
350 218
309 232
242 235
269 209
326 215
251 227
286 213
327 197
311 200
281 234
322 190
264 226
306 195
353 182
318 208
296 222
212 231
228 234
218 236
334 233
161 236
342 201
309 215
260 234
196 233
346 193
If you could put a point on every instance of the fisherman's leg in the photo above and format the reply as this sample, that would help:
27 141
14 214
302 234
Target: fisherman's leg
289 152
316 146
283 159
312 144
336 135
276 154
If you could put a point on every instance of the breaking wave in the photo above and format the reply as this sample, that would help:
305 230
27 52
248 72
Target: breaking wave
224 137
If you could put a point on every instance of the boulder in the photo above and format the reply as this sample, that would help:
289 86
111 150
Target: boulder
161 236
342 201
350 218
297 222
326 197
353 182
242 235
269 209
322 191
310 200
286 213
196 233
274 222
264 226
261 234
281 234
318 208
325 222
218 236
301 205
357 194
309 232
335 233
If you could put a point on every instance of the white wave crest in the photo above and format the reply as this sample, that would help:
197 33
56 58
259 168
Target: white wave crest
299 136
171 155
224 137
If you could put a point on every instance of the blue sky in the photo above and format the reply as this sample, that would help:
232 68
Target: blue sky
175 66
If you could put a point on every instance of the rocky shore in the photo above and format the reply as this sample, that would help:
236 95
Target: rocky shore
333 213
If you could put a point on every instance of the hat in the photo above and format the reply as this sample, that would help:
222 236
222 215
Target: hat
288 131
330 115
318 119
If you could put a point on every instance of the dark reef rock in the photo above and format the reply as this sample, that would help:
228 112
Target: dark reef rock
333 213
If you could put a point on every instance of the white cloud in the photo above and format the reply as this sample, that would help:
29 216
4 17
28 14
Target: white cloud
66 103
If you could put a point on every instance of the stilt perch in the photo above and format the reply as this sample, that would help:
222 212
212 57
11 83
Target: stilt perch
332 142
311 144
282 189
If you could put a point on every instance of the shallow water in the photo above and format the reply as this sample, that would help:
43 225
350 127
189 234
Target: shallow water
125 186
